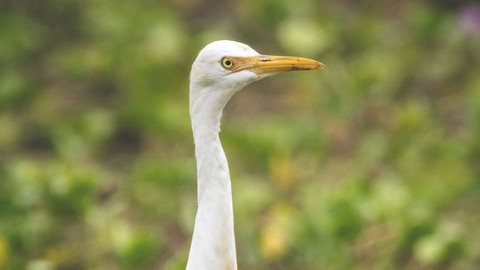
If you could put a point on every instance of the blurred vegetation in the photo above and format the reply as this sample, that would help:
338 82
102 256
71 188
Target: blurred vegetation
373 163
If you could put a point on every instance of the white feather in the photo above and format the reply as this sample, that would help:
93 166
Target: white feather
211 86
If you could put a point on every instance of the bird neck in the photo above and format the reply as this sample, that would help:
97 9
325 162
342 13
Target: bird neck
213 242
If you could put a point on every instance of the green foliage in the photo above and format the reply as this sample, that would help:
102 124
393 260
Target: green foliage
372 163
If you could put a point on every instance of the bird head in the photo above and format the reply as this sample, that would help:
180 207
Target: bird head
229 66
224 67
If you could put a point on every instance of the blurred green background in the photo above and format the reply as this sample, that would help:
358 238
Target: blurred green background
372 163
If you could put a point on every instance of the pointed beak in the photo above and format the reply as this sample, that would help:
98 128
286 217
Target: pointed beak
267 64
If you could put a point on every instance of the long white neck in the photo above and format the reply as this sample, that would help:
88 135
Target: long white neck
213 242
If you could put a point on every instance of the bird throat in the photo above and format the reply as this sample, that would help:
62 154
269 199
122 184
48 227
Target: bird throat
213 242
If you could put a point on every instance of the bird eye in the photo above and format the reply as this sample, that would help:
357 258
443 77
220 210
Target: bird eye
227 63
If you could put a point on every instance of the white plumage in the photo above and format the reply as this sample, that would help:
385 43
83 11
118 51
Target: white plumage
221 69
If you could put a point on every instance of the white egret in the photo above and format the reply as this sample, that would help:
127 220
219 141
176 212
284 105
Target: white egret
221 69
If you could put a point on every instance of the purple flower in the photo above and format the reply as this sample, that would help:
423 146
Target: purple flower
469 19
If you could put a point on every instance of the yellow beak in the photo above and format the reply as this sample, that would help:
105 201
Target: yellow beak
264 64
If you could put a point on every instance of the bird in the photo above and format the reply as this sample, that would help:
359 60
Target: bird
220 70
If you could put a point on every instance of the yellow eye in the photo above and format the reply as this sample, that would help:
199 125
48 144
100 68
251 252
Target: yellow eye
228 63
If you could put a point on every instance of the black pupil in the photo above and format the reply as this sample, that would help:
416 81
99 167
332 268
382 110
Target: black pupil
228 62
